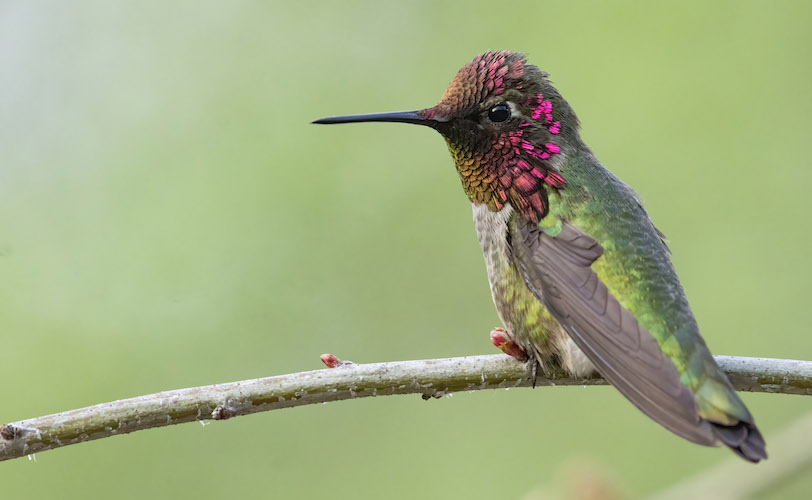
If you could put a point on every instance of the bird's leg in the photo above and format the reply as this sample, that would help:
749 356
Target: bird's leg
534 369
502 340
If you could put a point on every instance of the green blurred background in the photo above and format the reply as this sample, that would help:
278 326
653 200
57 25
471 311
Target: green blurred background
169 218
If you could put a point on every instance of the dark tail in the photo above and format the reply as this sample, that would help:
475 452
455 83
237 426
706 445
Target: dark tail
743 438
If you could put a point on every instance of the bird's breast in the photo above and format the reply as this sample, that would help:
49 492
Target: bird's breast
526 320
492 233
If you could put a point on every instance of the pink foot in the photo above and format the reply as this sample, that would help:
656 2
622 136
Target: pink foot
502 340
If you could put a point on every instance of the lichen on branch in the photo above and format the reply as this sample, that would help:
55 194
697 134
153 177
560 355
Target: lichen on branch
430 378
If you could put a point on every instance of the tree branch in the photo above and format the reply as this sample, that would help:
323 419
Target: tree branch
431 378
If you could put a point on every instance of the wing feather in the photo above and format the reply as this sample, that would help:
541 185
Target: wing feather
557 270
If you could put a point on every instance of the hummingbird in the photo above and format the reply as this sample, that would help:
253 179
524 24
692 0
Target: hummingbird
580 276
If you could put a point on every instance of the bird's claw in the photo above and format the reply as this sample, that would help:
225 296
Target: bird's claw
502 340
534 370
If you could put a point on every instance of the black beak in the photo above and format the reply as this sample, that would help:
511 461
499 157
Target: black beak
417 117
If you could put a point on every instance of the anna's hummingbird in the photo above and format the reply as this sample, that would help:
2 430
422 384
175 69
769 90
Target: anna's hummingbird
580 276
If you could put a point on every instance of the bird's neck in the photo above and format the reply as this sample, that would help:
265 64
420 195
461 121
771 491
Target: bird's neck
525 183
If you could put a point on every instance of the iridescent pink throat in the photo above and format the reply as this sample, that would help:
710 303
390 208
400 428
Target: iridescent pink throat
529 167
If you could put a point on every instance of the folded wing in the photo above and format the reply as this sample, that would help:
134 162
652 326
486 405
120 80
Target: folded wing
557 271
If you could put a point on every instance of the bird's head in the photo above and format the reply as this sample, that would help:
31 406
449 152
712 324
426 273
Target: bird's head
506 126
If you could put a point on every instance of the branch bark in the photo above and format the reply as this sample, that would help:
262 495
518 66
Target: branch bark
431 378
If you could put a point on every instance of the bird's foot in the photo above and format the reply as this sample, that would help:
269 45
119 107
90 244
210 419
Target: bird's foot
534 369
502 340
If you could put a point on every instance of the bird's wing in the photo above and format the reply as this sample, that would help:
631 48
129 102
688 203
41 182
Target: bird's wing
557 271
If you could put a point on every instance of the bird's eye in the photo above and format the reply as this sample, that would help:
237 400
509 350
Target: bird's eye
499 113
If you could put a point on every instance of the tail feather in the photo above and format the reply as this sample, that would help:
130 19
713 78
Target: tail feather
743 438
